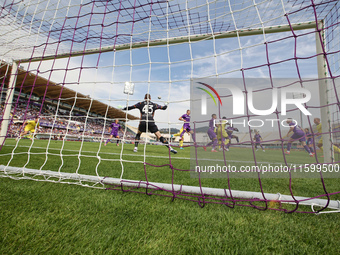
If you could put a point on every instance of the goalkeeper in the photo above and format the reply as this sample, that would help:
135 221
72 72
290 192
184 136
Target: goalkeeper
147 111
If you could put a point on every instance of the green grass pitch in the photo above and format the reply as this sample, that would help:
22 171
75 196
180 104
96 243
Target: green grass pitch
50 218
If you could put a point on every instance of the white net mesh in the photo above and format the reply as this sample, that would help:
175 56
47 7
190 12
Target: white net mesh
75 58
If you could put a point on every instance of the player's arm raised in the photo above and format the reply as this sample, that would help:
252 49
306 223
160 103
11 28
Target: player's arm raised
135 106
164 107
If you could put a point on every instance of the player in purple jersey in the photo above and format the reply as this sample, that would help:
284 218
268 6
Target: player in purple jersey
212 135
115 127
147 111
310 140
230 129
186 127
298 134
258 140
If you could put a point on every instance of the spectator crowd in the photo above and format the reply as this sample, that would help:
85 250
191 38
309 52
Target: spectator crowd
59 124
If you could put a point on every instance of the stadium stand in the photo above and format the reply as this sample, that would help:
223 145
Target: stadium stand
59 123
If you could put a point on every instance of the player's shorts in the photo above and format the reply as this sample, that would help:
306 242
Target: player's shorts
212 135
257 144
299 136
186 128
114 134
151 126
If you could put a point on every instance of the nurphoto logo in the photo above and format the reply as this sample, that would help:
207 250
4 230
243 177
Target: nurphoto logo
239 98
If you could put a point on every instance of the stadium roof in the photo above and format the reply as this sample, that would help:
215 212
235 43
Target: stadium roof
30 83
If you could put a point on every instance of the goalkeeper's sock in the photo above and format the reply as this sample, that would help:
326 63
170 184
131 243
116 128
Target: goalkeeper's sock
181 143
163 140
137 140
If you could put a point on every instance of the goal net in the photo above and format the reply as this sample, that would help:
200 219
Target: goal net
75 74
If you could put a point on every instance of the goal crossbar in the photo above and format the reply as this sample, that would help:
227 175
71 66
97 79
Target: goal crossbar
179 39
331 204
